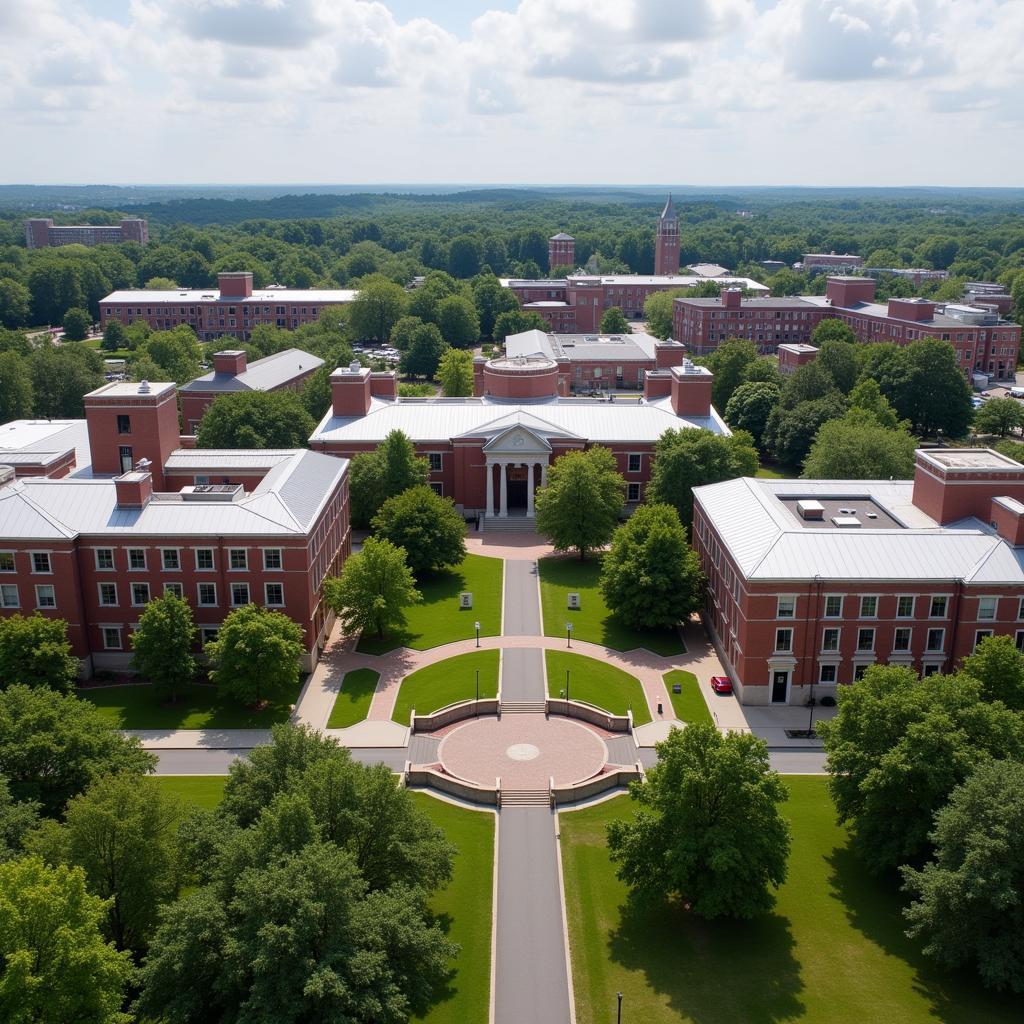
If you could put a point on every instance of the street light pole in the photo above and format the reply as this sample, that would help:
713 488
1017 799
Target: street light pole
477 625
568 634
620 1008
567 684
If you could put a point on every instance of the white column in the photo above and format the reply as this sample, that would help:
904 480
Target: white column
543 474
529 488
503 512
490 489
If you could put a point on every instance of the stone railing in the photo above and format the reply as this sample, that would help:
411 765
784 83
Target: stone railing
590 713
489 795
614 779
453 713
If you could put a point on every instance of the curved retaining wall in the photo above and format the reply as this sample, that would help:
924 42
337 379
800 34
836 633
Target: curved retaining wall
590 713
454 713
490 796
594 787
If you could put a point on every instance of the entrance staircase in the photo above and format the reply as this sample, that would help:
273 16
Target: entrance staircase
523 707
525 798
519 523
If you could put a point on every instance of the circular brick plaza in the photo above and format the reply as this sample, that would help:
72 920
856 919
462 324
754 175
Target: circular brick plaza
525 751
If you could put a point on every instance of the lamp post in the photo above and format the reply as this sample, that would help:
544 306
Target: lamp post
568 634
567 685
477 627
620 1008
478 688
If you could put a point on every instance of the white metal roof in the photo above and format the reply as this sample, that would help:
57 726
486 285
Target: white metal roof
264 374
199 460
668 280
24 441
263 295
769 543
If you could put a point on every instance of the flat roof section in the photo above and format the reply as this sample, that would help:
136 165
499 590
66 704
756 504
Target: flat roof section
968 459
841 513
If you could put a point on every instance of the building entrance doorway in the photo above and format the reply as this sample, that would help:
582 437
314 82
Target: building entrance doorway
780 685
517 479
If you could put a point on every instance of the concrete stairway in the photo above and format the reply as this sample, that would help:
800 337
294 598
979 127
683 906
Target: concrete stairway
525 798
523 707
523 524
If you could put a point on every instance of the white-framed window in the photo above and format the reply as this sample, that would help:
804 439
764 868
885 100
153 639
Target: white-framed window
207 595
632 492
869 606
981 634
833 606
204 559
858 672
634 464
987 608
936 640
830 639
930 670
238 558
786 607
208 634
272 560
171 559
435 461
865 640
783 640
111 638
273 595
108 594
905 606
140 594
9 596
436 487
901 638
1019 640
828 673
239 594
174 588
41 562
7 561
46 596
104 559
137 559
937 608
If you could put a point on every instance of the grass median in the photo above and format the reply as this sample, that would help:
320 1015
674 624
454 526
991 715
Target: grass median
353 701
596 682
445 682
689 705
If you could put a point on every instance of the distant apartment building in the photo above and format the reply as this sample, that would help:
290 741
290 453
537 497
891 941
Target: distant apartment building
794 355
42 233
831 263
231 310
988 293
985 343
915 275
561 251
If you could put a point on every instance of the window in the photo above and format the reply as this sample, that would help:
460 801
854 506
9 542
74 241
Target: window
436 487
632 492
137 558
830 640
272 559
865 639
783 640
980 635
828 674
833 606
124 424
274 594
111 638
634 463
140 594
124 455
9 596
938 608
239 594
173 588
239 558
45 596
930 670
204 558
1020 608
104 559
171 559
868 607
1019 638
6 561
207 594
108 594
208 634
936 640
987 608
905 606
858 672
901 639
41 562
435 461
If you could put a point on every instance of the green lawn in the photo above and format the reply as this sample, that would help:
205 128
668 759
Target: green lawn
464 909
832 952
690 705
199 706
776 471
438 618
446 682
203 791
592 621
353 701
596 682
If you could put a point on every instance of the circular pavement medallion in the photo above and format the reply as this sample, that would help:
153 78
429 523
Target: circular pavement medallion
522 752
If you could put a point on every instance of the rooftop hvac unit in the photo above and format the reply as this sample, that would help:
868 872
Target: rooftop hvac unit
810 509
845 522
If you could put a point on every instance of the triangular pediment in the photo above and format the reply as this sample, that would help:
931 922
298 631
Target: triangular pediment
518 439
536 437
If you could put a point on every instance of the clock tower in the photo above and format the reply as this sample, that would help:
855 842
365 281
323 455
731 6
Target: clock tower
666 241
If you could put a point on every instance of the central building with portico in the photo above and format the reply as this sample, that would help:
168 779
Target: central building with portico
491 452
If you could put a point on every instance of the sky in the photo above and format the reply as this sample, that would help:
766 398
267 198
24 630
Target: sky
698 92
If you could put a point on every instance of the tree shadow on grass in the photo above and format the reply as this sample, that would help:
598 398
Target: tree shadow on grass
874 908
712 972
444 987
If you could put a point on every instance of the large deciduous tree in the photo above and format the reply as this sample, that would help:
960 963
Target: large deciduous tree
790 433
374 589
751 405
580 507
376 476
614 322
35 650
17 396
650 576
999 416
729 363
423 354
515 321
455 373
379 305
256 419
426 525
457 319
162 644
708 830
855 447
998 667
76 324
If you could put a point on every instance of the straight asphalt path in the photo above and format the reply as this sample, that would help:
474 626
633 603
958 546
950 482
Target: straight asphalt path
531 981
522 669
216 761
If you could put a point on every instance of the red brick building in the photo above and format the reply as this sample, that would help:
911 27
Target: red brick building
233 373
561 251
794 355
491 452
42 233
130 515
229 311
984 342
812 581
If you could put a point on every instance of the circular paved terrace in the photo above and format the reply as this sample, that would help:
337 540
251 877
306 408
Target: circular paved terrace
524 750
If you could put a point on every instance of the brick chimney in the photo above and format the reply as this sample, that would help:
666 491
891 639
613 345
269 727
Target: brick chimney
384 384
691 389
350 391
954 483
657 384
134 489
911 309
1007 516
231 361
235 284
669 353
846 291
478 375
732 298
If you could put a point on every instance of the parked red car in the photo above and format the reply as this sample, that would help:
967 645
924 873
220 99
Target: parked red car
721 684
